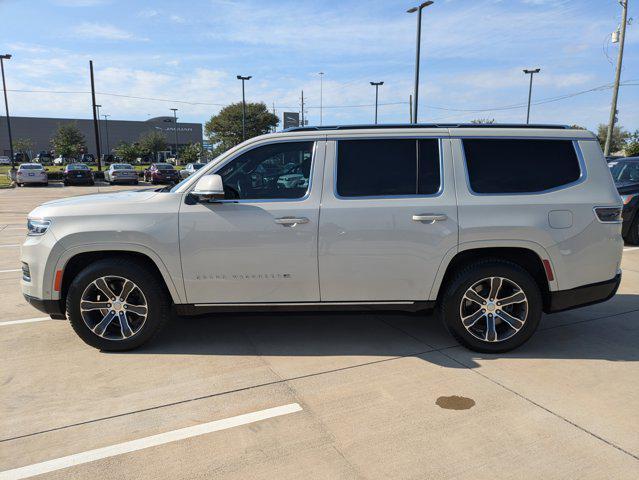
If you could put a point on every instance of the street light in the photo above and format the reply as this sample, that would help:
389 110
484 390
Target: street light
419 41
176 133
97 107
240 77
6 105
376 85
531 72
321 74
106 128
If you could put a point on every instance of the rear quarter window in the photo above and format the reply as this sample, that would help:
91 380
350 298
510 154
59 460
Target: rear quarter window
520 165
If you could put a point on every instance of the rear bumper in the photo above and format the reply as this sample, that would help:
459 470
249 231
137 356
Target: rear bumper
582 296
53 308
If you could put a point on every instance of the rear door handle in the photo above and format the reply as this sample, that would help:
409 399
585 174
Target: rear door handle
291 221
429 217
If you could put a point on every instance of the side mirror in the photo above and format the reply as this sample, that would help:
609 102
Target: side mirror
209 187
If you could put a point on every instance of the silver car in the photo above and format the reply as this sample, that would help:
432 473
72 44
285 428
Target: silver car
32 173
121 173
190 169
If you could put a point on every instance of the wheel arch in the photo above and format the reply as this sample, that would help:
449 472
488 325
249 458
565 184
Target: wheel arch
528 255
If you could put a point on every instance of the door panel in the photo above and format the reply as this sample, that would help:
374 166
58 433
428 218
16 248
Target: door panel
384 248
249 251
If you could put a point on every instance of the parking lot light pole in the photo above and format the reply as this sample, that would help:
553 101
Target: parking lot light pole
106 128
97 107
419 41
95 117
176 133
240 77
376 85
6 106
531 72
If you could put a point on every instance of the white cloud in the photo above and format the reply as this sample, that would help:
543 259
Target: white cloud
104 31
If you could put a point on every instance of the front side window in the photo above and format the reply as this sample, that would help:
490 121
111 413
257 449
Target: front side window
274 171
520 165
388 167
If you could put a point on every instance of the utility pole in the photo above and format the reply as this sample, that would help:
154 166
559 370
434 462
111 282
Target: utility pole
376 85
6 105
615 90
303 124
176 133
531 72
240 77
419 41
106 128
321 74
95 118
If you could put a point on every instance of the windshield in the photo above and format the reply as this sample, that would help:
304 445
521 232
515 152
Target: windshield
164 166
77 166
121 166
30 166
625 171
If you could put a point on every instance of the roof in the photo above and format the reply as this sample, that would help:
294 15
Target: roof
427 125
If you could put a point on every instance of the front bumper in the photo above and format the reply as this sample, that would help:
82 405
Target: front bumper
53 308
582 296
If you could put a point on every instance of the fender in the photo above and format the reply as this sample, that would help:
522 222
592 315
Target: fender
178 295
541 252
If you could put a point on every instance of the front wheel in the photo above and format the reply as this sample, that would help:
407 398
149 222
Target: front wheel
492 306
117 304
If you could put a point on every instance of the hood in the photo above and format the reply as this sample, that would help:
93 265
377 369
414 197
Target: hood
95 204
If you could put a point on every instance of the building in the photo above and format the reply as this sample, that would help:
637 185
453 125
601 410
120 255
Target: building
112 132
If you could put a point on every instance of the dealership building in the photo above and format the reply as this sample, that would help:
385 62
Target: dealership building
112 132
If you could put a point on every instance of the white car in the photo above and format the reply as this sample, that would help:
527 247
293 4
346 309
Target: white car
121 173
190 169
31 173
4 160
490 225
60 160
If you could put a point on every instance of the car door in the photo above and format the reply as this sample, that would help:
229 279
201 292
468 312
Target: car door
388 217
259 245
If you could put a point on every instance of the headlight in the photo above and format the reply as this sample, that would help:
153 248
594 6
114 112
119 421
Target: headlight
626 198
37 226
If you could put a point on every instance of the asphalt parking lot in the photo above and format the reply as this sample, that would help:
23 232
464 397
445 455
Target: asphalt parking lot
340 395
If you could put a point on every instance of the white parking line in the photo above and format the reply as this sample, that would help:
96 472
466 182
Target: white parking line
12 270
147 442
630 249
26 320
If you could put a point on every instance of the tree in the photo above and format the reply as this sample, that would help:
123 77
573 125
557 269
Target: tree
620 137
225 129
632 149
191 153
151 143
68 140
481 121
23 145
128 152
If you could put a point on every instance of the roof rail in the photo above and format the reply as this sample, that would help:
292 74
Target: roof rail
425 125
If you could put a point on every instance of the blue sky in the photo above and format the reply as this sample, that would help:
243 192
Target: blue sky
473 52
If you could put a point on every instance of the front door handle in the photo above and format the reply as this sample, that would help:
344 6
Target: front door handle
429 217
291 221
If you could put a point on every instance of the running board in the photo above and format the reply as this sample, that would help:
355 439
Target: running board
190 309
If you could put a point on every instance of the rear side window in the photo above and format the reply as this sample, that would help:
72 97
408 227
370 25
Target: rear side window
367 168
520 166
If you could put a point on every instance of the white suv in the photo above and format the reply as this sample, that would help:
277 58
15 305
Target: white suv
493 225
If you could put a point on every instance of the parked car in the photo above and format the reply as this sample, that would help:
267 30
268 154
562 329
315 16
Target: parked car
60 160
43 158
190 169
77 174
107 159
4 160
32 173
87 158
625 173
491 225
121 173
21 157
161 173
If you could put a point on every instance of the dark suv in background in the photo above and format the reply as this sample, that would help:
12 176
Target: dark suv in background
625 173
161 173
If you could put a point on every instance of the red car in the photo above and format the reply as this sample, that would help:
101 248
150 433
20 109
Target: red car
161 173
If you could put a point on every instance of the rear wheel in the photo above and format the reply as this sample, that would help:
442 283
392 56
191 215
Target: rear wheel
492 306
633 233
117 304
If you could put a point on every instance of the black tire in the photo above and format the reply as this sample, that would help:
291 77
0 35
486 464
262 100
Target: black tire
157 300
468 276
633 233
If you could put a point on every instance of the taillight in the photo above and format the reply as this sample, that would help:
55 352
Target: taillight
609 214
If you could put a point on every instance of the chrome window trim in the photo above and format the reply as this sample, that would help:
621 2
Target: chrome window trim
583 172
215 168
438 193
